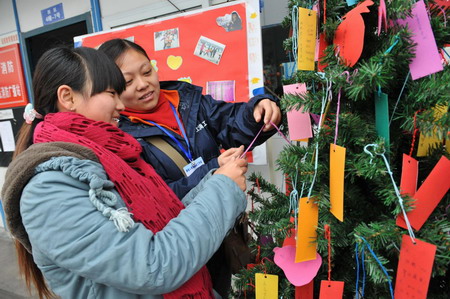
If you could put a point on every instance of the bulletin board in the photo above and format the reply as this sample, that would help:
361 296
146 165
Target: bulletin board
218 48
11 121
13 91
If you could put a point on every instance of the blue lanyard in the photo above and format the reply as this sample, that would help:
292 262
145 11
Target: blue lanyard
180 125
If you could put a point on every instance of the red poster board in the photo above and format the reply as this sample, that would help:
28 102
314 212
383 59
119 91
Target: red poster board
13 91
201 48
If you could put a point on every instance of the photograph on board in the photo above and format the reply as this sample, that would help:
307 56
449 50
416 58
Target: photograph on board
209 49
167 39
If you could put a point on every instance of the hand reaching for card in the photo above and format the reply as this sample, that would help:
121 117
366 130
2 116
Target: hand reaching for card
235 169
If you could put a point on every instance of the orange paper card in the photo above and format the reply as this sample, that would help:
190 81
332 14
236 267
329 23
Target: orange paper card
308 218
410 171
331 289
305 292
266 286
414 269
307 33
429 194
337 168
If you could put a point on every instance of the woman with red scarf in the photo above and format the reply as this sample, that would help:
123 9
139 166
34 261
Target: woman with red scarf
90 218
197 126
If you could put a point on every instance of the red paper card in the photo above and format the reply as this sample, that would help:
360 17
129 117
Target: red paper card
444 3
331 289
349 35
414 269
290 237
429 194
305 292
410 170
321 52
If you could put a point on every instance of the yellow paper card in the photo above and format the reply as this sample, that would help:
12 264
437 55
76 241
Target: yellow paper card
337 169
266 286
447 143
307 35
427 142
308 218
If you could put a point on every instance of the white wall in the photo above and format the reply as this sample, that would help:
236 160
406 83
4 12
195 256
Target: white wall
117 12
274 12
114 14
30 11
7 21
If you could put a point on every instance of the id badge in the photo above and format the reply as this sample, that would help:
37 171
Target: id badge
191 167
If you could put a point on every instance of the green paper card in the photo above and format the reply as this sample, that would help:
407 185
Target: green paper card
382 116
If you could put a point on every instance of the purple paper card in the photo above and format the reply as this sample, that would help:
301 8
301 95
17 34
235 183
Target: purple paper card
427 60
315 118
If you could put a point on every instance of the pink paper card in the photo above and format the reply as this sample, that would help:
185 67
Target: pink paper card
410 170
414 269
429 195
298 274
305 292
297 88
299 123
427 60
382 22
331 289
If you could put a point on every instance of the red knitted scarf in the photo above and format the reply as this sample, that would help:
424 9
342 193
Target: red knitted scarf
145 193
161 114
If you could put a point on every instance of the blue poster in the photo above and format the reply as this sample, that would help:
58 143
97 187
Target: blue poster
52 14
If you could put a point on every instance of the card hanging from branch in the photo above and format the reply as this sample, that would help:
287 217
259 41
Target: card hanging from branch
307 33
330 289
337 165
397 192
266 285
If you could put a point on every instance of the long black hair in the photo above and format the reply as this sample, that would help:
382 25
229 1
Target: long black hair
78 68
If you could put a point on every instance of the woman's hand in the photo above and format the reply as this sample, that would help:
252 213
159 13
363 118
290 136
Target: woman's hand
270 111
230 154
235 170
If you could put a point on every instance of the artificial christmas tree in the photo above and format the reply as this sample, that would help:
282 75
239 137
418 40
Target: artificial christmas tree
376 171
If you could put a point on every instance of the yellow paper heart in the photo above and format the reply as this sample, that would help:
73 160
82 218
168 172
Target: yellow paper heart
174 62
